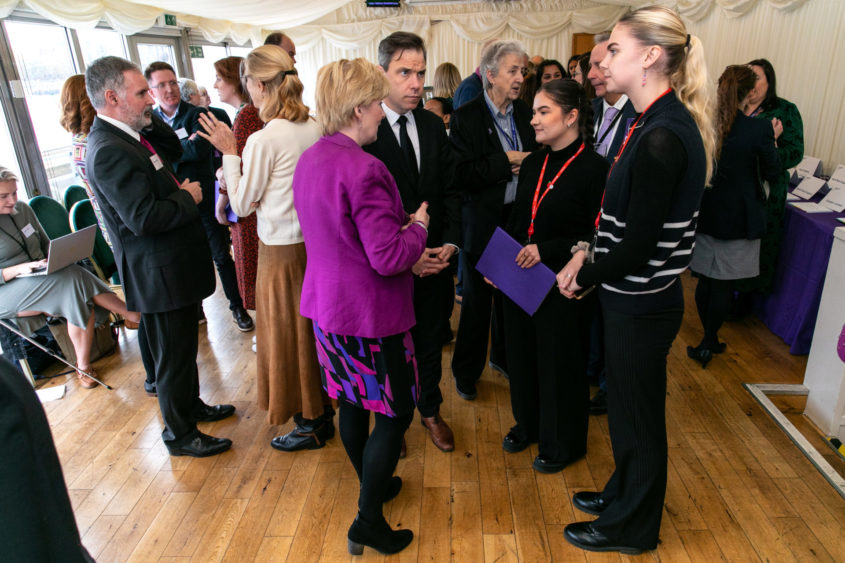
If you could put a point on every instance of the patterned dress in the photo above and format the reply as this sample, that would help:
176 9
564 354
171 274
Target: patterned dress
245 231
791 151
79 150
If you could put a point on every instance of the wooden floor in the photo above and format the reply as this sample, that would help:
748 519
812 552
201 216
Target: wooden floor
738 489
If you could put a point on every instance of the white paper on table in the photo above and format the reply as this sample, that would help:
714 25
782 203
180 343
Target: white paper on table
792 197
810 207
834 200
809 166
808 187
838 175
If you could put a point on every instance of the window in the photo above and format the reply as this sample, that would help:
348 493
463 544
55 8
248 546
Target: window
7 155
43 58
204 74
96 43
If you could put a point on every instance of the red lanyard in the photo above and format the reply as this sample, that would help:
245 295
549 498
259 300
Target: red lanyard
625 144
536 203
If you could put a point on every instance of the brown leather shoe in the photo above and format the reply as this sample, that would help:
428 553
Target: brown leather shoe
86 382
440 432
404 451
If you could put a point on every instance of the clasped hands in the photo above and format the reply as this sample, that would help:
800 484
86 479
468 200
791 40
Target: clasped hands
566 277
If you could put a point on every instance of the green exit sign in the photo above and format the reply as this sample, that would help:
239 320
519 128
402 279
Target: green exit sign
170 19
196 52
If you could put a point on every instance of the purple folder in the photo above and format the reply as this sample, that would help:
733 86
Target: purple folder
525 287
230 215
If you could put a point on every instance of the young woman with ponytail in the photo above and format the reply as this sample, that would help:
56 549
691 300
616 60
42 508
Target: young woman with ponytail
557 199
733 212
644 239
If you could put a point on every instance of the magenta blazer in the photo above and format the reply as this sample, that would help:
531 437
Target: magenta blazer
358 279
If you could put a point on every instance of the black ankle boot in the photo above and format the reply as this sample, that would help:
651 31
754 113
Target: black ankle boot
307 434
380 536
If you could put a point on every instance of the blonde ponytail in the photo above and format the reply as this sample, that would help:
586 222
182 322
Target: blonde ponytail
684 65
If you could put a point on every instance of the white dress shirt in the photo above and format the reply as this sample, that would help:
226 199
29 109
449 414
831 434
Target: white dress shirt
411 126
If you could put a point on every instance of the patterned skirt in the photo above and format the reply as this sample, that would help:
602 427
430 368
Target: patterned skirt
376 374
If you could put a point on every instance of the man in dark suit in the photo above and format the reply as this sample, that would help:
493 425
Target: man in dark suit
614 114
159 244
491 135
197 162
412 143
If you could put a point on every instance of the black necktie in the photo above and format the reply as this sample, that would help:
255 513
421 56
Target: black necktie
408 148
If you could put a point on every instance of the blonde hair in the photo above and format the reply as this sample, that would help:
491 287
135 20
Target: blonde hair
273 67
684 64
344 85
447 77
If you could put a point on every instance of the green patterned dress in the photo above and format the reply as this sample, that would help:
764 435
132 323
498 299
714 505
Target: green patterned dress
791 151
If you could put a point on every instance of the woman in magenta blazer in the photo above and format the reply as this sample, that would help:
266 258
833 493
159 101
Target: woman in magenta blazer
358 287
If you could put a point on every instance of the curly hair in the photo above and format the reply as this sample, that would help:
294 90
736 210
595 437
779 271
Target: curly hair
77 111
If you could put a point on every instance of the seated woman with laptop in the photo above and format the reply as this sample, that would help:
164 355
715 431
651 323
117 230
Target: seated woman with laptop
70 292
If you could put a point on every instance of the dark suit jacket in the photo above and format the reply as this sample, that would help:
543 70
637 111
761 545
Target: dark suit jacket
734 207
435 179
159 242
629 114
197 161
481 167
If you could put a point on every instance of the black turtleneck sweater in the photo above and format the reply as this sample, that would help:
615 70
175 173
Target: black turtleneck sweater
568 212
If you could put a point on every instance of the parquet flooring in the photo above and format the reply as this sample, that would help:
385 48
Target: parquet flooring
738 490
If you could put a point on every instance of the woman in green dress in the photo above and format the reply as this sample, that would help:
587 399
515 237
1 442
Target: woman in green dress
763 103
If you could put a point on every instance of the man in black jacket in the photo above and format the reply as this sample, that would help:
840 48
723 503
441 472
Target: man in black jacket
413 145
159 244
197 162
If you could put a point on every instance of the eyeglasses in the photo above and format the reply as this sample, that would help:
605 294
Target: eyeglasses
162 85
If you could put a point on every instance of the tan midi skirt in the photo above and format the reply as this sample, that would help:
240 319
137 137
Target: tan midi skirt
288 371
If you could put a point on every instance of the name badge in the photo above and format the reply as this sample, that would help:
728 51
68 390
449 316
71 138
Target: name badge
181 133
28 230
156 162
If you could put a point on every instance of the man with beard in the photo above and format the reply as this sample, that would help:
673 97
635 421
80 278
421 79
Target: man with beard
159 244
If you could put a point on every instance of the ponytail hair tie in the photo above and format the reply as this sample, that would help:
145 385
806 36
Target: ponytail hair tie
687 43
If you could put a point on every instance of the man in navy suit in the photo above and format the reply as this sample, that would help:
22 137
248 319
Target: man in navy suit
614 115
159 243
197 163
413 145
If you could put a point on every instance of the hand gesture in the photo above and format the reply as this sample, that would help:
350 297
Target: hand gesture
566 277
421 215
217 133
192 188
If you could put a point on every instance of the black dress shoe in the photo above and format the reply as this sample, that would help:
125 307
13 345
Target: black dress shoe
466 391
598 404
202 445
546 465
207 413
512 444
700 354
306 435
583 535
379 535
150 389
500 369
589 502
243 320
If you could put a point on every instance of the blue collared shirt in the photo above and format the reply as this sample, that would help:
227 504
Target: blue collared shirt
506 128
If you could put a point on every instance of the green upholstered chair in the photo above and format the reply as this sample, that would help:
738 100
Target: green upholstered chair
52 216
72 195
81 216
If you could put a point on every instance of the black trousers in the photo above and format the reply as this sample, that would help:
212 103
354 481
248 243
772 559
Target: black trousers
432 294
172 340
550 395
636 347
480 302
218 240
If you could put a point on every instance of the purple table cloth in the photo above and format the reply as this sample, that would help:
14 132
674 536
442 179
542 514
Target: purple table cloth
790 310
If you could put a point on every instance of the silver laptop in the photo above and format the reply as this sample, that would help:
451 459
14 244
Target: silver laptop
67 250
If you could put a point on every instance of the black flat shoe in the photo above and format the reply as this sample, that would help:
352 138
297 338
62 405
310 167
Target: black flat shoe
393 488
512 444
243 320
466 391
589 502
379 536
202 445
307 435
150 389
545 465
700 354
207 413
583 535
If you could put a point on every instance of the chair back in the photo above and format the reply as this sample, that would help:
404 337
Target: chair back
52 216
81 216
73 194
